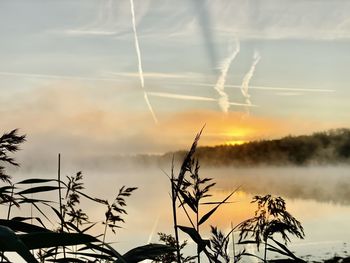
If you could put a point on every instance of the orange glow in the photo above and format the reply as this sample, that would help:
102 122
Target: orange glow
234 142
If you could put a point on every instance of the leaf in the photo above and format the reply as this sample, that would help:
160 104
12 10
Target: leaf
7 189
38 189
287 251
207 215
32 201
22 226
215 203
58 214
252 255
21 219
188 200
9 241
195 237
246 242
93 255
36 181
51 239
150 251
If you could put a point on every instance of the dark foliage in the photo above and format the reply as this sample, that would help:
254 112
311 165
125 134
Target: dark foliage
271 217
9 143
171 257
320 148
219 243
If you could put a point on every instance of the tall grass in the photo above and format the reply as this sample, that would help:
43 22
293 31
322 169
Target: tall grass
69 239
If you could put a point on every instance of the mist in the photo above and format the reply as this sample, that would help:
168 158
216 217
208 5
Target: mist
328 184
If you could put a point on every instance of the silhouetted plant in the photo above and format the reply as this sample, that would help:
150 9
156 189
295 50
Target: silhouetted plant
271 217
190 189
19 236
76 215
9 143
115 210
170 257
219 245
193 192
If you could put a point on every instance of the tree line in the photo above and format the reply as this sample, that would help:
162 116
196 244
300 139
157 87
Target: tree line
328 147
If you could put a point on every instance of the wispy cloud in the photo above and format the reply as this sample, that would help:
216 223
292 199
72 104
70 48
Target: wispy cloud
220 84
105 124
110 19
274 19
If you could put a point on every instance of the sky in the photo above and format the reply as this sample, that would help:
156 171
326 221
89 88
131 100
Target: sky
77 76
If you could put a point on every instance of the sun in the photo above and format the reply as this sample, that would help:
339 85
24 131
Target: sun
235 142
237 136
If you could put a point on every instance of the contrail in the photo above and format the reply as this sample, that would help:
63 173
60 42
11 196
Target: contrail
138 52
220 84
153 230
257 87
57 77
248 77
193 98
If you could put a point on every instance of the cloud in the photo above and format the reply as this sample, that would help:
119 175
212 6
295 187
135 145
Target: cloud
275 19
81 122
109 18
270 19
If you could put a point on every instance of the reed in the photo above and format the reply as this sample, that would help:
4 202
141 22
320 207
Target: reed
52 244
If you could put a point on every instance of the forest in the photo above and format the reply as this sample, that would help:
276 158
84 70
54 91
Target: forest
328 147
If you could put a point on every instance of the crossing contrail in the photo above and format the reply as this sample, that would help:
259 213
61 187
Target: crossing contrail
138 52
220 84
199 84
193 98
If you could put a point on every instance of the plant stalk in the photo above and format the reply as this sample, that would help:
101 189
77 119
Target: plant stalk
173 198
104 236
233 245
265 251
10 205
197 220
60 197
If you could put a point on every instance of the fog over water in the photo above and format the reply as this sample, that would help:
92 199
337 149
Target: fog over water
318 196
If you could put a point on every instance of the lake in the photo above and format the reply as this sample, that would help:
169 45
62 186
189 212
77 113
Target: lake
319 197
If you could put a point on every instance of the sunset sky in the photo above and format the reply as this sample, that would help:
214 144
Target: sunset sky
69 72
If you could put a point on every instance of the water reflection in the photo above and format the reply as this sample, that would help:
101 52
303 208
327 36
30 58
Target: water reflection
318 197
